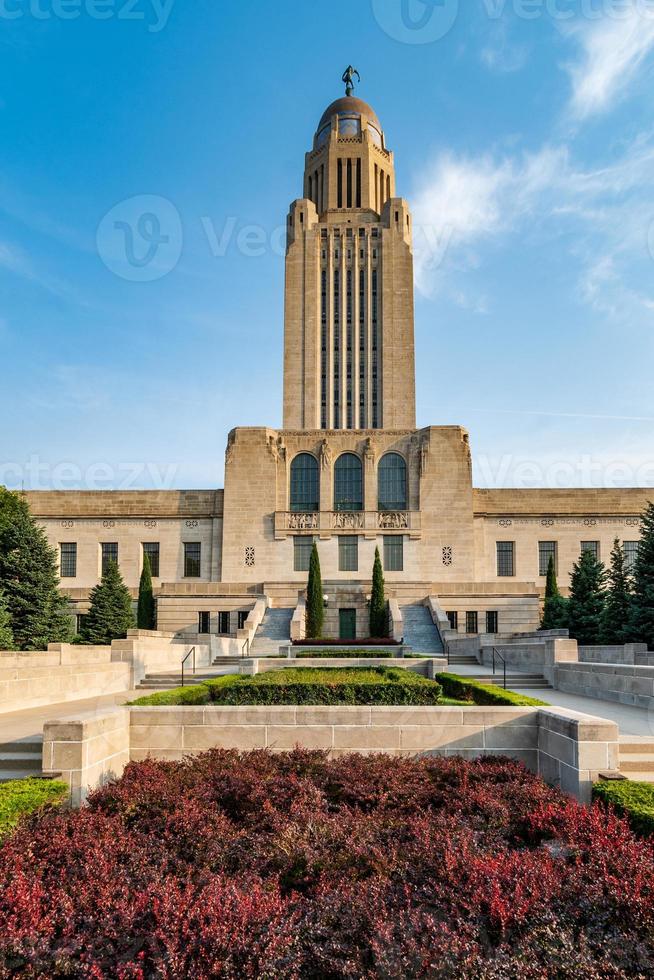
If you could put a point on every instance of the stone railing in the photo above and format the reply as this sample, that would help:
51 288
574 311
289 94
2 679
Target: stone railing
327 522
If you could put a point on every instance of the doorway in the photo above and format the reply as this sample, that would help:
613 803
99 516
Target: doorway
347 624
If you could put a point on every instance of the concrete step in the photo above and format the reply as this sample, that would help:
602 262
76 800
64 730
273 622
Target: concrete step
8 775
22 761
640 777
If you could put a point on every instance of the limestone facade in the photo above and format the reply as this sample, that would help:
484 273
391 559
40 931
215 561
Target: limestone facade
349 469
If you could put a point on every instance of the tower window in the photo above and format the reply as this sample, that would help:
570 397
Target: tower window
391 480
337 349
348 483
339 179
305 483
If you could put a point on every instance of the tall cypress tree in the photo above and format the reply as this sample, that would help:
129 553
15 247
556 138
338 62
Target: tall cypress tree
378 617
145 613
616 618
110 615
29 577
315 612
643 595
6 633
555 609
587 599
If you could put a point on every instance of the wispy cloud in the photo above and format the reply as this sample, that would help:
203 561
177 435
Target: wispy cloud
612 50
465 204
16 261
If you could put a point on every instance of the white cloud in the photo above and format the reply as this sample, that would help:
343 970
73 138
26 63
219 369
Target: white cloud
612 51
606 215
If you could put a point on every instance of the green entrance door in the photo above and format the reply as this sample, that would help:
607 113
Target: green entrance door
347 624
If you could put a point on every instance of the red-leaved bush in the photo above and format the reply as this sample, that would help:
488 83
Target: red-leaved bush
294 866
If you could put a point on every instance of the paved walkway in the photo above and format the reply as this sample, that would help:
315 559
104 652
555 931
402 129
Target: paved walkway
30 721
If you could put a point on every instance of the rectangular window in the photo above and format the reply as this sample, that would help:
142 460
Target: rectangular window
592 546
472 624
151 549
337 348
546 550
223 622
204 622
242 616
505 559
491 622
302 553
109 553
393 553
348 553
454 620
68 559
192 559
630 551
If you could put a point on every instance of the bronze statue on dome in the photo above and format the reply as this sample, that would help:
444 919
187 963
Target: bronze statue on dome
348 78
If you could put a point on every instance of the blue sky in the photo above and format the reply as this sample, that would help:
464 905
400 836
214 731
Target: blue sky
523 134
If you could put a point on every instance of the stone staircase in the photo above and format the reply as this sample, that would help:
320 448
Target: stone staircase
419 630
534 682
637 757
274 629
21 758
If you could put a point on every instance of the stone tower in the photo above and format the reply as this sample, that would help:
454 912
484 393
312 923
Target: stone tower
348 323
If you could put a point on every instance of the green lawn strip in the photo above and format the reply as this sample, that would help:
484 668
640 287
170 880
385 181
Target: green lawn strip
484 694
20 797
194 694
633 800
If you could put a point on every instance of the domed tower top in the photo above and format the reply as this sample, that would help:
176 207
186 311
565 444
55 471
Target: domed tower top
349 165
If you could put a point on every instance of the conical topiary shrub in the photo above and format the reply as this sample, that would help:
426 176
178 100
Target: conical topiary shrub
315 613
378 615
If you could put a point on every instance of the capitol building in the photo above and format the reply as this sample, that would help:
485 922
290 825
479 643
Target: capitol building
348 469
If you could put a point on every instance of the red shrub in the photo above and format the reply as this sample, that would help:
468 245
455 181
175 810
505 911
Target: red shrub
292 865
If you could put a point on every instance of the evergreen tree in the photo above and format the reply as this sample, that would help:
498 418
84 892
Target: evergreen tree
6 634
110 615
378 616
616 618
315 612
29 577
555 609
587 598
145 614
643 591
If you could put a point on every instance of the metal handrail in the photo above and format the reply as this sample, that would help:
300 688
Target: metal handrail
246 644
497 653
191 651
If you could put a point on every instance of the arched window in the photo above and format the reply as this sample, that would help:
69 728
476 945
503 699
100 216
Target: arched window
305 483
391 483
348 483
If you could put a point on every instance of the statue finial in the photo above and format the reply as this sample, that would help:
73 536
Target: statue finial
348 78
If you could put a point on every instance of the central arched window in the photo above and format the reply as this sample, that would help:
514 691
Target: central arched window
348 483
391 482
305 483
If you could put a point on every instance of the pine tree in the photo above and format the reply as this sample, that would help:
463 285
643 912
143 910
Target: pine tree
555 609
29 577
110 615
378 617
145 614
6 634
315 613
616 618
587 598
643 594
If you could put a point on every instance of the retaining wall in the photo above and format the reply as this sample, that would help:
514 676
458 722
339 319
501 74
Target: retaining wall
611 682
568 748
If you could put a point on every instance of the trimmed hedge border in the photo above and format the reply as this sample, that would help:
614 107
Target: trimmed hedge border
633 800
484 694
20 797
349 655
308 685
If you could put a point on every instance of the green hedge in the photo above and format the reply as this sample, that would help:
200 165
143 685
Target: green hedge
631 799
340 654
477 693
308 685
23 796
